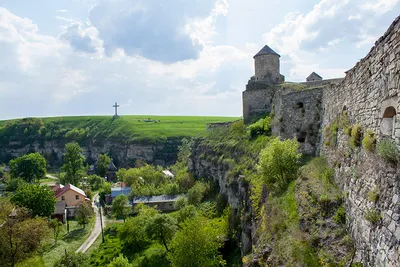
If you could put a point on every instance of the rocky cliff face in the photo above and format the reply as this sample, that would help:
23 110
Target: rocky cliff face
204 163
123 153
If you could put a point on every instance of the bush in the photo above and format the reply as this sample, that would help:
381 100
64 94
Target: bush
373 216
373 195
340 216
388 151
196 193
279 163
261 127
356 133
369 141
348 129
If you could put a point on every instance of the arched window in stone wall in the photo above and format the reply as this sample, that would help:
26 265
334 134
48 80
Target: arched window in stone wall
388 121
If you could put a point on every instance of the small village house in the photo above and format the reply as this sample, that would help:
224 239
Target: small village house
116 191
69 193
60 212
162 203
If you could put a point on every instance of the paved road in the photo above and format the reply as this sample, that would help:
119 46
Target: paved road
96 229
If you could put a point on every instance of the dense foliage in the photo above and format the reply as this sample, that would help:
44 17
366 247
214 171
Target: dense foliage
83 213
102 164
38 199
73 164
121 207
388 150
20 234
279 163
30 167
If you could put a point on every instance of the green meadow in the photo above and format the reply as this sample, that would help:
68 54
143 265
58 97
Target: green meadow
130 128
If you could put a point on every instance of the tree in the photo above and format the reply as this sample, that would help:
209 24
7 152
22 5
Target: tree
83 213
20 235
279 163
38 199
162 228
73 260
121 207
102 164
29 167
56 226
120 261
196 193
95 182
73 163
197 244
105 189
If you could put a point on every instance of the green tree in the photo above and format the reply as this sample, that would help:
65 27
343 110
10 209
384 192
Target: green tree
279 163
162 228
121 207
186 213
120 261
73 260
133 233
83 213
105 189
95 182
73 164
196 193
56 226
38 199
102 164
20 235
196 244
29 167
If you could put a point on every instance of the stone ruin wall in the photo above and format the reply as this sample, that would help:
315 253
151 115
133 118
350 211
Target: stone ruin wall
369 89
298 115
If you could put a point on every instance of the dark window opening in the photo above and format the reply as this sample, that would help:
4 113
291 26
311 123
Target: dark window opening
299 105
301 137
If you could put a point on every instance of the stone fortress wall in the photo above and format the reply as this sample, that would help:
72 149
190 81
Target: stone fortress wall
369 96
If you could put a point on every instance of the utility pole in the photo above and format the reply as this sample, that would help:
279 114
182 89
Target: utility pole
101 224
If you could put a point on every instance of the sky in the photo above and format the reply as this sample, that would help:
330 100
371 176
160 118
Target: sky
175 57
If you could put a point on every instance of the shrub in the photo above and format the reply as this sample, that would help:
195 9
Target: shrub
373 216
279 163
348 129
197 193
388 151
373 195
369 141
340 216
356 133
261 127
331 133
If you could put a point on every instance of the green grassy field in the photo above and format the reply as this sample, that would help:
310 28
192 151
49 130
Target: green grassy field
68 241
130 128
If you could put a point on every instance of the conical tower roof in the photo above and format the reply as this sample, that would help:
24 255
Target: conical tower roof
111 166
266 51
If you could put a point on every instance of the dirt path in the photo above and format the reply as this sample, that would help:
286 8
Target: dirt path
96 229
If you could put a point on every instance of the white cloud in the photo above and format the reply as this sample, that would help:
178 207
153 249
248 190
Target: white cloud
380 6
332 26
49 70
62 11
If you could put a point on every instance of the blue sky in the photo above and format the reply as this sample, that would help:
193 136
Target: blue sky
176 57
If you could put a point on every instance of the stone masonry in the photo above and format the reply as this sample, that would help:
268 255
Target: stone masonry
369 96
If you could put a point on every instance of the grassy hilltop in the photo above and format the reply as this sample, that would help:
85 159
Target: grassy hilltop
126 128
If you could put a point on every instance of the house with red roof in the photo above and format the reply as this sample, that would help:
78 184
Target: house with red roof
70 194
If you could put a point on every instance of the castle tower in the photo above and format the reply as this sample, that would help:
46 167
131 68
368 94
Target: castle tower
267 66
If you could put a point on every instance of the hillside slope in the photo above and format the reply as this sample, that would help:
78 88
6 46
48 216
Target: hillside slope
152 138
